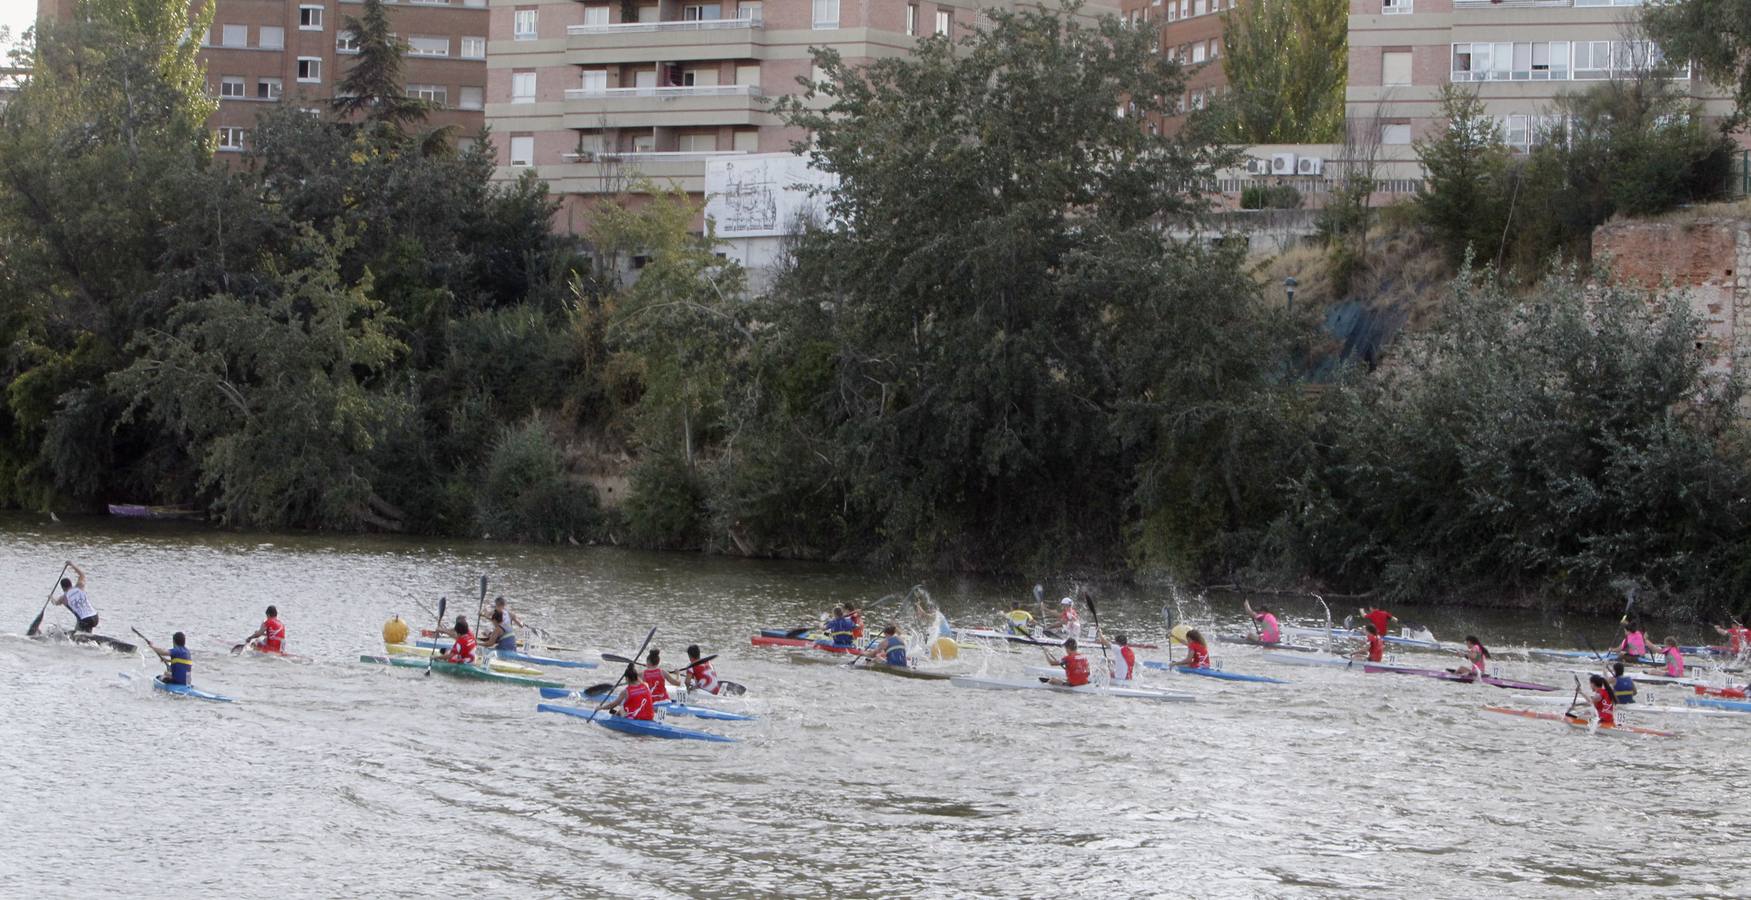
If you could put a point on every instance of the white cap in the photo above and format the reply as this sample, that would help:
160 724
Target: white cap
1066 602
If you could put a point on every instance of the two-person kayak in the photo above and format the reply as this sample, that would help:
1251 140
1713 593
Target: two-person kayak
672 707
643 727
457 670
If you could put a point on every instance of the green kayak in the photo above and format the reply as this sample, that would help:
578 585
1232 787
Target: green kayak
459 671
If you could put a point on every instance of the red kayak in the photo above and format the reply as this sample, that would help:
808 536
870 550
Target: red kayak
1733 693
761 640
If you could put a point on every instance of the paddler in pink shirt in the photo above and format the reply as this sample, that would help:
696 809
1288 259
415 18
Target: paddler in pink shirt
1674 659
1634 645
1265 622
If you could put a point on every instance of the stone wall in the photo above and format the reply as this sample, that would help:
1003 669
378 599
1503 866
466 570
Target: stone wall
1707 261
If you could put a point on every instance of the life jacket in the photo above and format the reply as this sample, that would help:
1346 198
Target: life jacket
1075 669
507 642
1674 662
182 664
462 651
1200 656
895 652
843 632
1270 633
637 703
1624 689
700 677
658 685
857 626
273 636
1376 648
1606 707
1124 664
1019 620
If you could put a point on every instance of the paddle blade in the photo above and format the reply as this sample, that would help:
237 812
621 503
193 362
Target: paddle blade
796 632
483 588
731 688
617 658
598 690
442 602
36 624
702 661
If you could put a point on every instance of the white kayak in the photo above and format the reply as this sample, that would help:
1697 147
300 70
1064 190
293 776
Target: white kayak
1034 684
1631 710
1651 679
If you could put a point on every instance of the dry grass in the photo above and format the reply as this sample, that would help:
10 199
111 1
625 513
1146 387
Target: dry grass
1685 215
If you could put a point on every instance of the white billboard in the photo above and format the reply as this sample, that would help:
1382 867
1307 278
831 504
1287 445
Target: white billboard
762 194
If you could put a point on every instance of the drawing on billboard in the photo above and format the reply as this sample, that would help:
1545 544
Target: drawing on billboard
761 195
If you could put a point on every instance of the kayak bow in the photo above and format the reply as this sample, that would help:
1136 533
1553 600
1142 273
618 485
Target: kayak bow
650 728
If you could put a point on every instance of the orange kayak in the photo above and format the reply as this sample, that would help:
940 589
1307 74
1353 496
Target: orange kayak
1572 720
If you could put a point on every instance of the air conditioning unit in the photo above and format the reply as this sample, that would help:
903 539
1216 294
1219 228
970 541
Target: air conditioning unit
1282 164
1256 166
1309 165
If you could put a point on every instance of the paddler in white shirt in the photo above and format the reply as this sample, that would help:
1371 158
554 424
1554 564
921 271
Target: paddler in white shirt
1121 657
73 597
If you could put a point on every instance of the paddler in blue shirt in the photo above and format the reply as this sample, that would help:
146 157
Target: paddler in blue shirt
891 649
841 629
1622 685
179 662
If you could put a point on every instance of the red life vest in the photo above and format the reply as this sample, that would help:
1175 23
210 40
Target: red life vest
856 625
273 636
1381 618
463 650
1075 669
700 677
653 680
1376 648
1605 706
1126 666
638 704
1200 656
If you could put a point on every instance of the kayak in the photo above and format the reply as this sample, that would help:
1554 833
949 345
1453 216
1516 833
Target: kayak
1034 684
624 725
87 638
1038 640
429 633
1713 703
551 662
506 668
1637 710
1308 659
1730 693
1253 641
802 644
184 690
1352 634
457 670
1212 673
1644 678
1444 675
1573 720
672 707
871 665
255 653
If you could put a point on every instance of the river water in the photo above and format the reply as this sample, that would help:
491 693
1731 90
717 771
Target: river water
338 778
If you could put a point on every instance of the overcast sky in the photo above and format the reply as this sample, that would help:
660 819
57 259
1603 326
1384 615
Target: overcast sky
17 15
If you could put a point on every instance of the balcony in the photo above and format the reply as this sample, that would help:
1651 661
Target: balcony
654 156
647 107
678 41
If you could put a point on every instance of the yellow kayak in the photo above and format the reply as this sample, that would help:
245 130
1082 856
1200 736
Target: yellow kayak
497 665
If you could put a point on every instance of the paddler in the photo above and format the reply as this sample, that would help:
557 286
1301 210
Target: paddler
700 676
1074 664
271 636
1019 620
939 624
179 661
655 678
1375 651
1477 659
1124 659
1197 651
1634 645
499 605
891 649
1622 686
462 651
856 617
1604 700
634 701
1674 659
1738 636
499 637
1069 620
73 597
841 629
1269 631
1381 618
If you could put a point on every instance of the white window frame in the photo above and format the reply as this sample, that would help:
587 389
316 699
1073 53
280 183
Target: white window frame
912 19
431 49
309 17
230 138
597 14
435 94
528 158
462 97
1387 128
275 88
945 22
471 48
825 14
594 81
346 42
315 67
517 80
233 87
525 24
1397 7
695 12
226 32
278 33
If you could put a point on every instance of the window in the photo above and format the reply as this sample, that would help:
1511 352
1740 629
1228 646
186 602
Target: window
474 3
1395 67
231 86
697 143
944 22
428 46
748 74
346 42
747 140
471 98
826 13
309 18
310 69
1391 7
435 94
595 81
269 88
465 144
1395 133
1198 53
699 77
1215 48
525 25
702 12
472 48
596 15
234 35
272 37
751 10
523 150
230 138
522 87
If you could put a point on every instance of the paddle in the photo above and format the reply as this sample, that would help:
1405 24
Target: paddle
1570 713
152 646
617 658
1094 613
36 624
610 695
481 605
442 602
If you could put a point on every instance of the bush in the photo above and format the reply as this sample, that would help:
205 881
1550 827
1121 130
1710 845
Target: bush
1270 196
526 494
666 508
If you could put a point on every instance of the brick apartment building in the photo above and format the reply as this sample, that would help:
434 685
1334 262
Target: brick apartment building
1189 31
295 51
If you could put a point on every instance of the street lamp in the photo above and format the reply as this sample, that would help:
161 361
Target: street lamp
1289 285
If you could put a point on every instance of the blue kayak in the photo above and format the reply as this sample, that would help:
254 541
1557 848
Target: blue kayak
183 690
671 707
1713 703
549 661
1212 673
634 726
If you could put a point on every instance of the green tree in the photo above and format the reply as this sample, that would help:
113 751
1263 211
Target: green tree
1287 62
373 86
1713 34
1466 196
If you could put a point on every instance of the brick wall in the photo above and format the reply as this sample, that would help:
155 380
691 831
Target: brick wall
1706 261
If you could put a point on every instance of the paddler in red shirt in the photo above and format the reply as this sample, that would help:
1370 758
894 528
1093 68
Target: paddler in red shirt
1124 659
462 652
1376 649
271 636
700 676
1738 636
1074 664
856 617
655 678
1381 618
1604 700
1197 652
634 701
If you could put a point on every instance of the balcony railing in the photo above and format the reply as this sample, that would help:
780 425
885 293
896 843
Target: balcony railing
689 25
664 93
656 155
